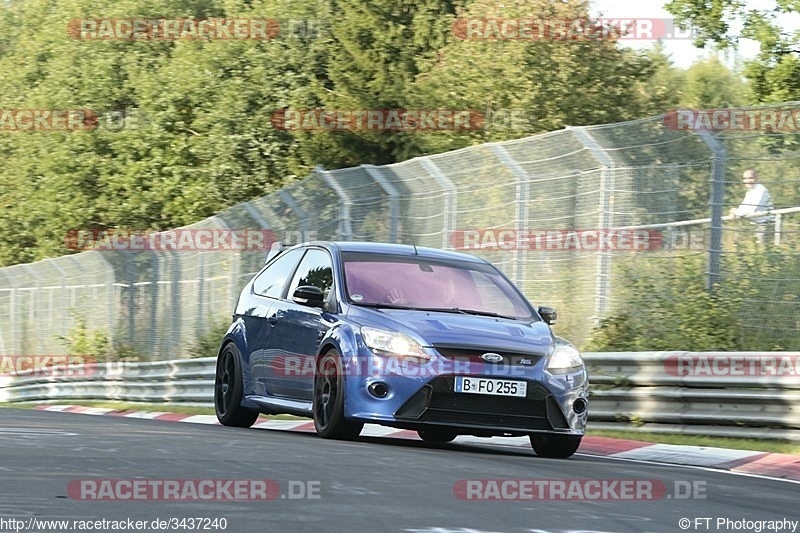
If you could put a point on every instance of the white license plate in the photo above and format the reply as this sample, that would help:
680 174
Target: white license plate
493 387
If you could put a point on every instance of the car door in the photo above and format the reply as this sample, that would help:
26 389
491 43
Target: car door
298 328
269 288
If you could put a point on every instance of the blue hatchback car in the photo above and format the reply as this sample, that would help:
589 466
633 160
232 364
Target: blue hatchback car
439 342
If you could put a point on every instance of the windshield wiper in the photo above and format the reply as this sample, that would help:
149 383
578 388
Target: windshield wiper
465 311
457 310
381 305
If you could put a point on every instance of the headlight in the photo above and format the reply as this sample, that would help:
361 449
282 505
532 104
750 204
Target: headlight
565 358
382 341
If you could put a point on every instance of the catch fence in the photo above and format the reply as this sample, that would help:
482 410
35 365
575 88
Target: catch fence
564 214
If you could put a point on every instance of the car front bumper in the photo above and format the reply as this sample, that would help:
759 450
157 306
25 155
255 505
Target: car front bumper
417 397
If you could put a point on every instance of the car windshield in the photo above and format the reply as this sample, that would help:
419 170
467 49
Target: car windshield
415 282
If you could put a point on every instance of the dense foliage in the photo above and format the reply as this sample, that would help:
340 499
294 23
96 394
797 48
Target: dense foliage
666 305
185 126
774 74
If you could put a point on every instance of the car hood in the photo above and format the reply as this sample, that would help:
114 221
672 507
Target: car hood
451 329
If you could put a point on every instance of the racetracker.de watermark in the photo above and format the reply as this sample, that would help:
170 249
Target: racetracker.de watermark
409 120
566 29
296 365
579 489
48 120
729 119
172 29
47 365
593 240
189 490
64 120
377 120
182 240
733 365
72 365
33 523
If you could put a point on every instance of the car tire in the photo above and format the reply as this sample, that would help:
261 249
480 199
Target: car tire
228 390
328 402
555 446
436 435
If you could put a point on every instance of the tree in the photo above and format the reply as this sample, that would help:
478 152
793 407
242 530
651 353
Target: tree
186 128
666 86
710 85
553 82
775 73
706 84
201 140
368 61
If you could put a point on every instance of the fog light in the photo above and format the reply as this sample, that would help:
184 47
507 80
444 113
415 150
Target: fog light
580 405
379 389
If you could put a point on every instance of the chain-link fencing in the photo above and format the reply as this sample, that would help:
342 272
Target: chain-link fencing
548 210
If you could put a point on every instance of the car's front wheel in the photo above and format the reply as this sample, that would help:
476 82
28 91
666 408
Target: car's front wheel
228 390
555 446
328 405
436 434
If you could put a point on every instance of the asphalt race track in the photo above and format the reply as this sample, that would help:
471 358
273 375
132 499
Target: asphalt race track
370 485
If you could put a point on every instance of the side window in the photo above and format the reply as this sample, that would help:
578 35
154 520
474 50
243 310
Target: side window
270 282
315 269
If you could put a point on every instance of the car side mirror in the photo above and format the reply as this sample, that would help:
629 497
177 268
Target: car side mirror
309 295
548 314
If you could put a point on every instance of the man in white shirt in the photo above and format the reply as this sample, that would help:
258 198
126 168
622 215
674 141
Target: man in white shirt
756 200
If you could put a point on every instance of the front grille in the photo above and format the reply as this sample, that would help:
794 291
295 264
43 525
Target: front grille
436 403
473 355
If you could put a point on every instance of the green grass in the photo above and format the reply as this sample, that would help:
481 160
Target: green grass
688 440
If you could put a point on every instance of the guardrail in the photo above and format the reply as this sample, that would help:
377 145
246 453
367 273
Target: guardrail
735 394
184 381
776 213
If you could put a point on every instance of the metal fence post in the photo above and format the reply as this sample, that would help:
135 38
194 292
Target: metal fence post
5 347
345 220
130 272
718 163
14 342
287 199
34 295
449 213
113 311
173 259
606 215
236 270
394 199
522 190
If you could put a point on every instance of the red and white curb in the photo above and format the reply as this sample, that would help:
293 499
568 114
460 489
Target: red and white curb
775 465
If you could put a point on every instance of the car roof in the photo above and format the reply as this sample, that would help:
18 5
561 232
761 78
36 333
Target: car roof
396 249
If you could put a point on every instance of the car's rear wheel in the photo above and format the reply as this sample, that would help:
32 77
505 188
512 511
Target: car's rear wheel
228 390
328 406
555 446
436 434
